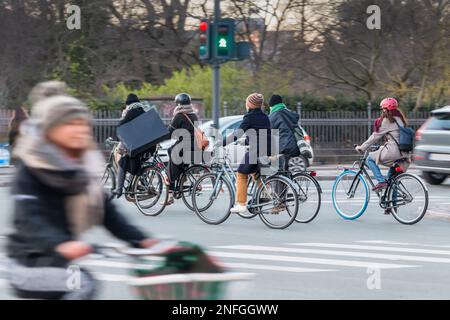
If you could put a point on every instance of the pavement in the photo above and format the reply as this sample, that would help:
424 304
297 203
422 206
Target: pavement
374 257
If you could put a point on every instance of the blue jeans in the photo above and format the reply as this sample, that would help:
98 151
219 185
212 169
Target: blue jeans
375 169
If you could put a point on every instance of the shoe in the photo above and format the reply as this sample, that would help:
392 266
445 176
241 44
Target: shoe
278 209
116 194
380 186
387 211
169 200
238 208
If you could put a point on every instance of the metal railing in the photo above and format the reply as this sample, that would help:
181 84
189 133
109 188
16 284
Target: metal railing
332 133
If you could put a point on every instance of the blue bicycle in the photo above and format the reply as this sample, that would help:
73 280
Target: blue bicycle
405 197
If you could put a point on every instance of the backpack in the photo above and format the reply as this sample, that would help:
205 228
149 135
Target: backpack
199 136
298 135
406 140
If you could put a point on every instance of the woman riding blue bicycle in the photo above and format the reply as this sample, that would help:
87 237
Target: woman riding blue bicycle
387 127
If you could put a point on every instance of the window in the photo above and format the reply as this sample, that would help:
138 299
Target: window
439 122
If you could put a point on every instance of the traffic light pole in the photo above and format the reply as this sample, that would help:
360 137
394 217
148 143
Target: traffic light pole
216 74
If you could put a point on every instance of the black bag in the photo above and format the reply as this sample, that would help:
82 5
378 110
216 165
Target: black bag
406 141
143 132
298 135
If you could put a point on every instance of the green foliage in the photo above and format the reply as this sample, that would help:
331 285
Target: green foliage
236 84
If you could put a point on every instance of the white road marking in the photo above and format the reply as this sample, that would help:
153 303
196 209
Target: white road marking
343 253
128 266
404 243
374 248
333 262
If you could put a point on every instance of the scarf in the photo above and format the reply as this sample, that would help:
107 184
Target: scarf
277 107
183 109
79 181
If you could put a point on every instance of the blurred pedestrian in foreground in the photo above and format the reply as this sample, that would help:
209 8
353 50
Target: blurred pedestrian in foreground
58 196
47 89
19 116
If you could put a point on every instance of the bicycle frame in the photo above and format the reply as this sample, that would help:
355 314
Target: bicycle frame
382 196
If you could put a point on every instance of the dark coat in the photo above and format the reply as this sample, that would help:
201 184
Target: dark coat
127 163
41 223
254 119
287 142
180 121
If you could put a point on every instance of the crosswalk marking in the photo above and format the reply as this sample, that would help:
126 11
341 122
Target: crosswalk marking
373 248
403 243
125 265
333 262
341 253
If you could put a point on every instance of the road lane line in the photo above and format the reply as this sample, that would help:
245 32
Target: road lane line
374 248
273 268
403 243
341 253
127 266
333 262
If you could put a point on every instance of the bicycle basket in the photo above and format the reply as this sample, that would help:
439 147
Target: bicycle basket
185 272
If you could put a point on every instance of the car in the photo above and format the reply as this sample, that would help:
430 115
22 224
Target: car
236 151
432 151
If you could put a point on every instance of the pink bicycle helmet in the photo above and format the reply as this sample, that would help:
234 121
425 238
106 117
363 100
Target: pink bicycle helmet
389 104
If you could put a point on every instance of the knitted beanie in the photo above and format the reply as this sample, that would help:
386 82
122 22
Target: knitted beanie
255 100
57 110
275 99
47 89
132 98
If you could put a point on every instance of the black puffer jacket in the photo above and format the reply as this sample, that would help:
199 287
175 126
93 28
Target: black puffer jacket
41 224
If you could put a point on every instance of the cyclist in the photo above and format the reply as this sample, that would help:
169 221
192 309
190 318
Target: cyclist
133 109
58 196
181 154
387 127
279 115
257 120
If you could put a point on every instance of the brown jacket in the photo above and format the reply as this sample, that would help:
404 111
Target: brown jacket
389 152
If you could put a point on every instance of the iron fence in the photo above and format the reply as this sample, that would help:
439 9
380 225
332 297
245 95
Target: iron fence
333 134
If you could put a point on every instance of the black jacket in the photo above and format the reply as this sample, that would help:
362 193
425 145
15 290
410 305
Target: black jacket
287 142
254 119
180 121
133 164
40 222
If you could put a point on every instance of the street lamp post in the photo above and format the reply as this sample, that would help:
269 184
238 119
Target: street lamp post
216 73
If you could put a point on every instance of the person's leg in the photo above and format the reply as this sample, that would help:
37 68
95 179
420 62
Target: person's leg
121 173
376 170
241 193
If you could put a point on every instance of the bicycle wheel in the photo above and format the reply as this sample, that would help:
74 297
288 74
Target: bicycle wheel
213 204
277 202
109 181
150 192
309 197
408 196
187 182
350 196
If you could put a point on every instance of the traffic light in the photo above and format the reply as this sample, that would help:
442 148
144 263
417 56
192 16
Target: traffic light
224 46
204 50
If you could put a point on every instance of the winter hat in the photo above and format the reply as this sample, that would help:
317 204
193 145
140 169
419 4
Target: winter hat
275 99
132 98
56 110
47 89
255 100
